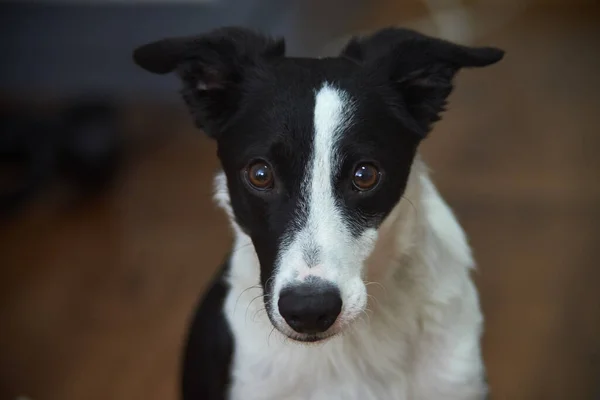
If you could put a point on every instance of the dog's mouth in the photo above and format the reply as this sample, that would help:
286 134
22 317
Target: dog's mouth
281 326
306 338
311 339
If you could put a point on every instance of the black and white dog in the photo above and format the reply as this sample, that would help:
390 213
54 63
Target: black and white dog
341 239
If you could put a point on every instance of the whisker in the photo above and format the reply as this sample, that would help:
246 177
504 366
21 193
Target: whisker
240 295
242 247
248 306
267 281
269 337
379 284
258 311
375 299
367 314
412 204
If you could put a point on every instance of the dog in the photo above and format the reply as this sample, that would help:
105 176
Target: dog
349 276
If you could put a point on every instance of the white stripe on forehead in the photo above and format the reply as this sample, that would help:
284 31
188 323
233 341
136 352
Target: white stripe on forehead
325 247
322 239
331 117
332 114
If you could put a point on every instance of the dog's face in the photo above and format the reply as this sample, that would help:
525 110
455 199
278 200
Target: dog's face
314 162
316 152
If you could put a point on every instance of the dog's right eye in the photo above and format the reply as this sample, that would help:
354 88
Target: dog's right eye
259 175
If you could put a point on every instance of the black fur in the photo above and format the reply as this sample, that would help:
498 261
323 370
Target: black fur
216 62
421 67
209 347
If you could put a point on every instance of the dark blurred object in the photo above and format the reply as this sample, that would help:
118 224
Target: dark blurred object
26 157
82 143
91 144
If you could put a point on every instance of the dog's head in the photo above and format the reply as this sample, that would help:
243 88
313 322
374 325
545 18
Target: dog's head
316 152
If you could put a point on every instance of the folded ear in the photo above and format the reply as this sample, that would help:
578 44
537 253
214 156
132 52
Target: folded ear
212 68
419 67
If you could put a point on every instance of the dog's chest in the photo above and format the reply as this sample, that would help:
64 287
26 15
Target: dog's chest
385 361
323 372
354 366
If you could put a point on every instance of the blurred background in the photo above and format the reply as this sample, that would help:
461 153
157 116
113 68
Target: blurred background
108 234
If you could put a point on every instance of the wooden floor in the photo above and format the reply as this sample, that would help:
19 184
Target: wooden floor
94 299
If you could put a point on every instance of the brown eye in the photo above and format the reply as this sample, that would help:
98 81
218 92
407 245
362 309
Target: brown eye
260 175
365 177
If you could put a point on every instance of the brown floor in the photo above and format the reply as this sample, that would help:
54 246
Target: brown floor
94 299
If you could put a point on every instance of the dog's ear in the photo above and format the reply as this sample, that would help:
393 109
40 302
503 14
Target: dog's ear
212 67
419 67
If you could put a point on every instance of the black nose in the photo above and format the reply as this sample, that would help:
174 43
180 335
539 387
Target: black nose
310 307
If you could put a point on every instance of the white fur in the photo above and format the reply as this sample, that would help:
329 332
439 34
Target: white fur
418 336
339 256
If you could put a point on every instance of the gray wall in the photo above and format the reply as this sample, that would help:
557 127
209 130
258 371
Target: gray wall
68 49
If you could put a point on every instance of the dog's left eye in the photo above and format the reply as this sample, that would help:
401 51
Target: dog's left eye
260 175
366 177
